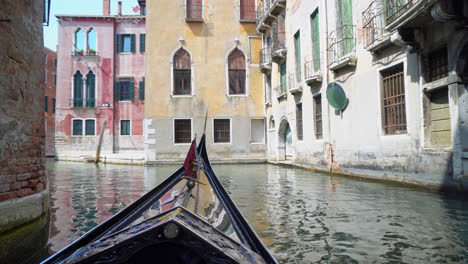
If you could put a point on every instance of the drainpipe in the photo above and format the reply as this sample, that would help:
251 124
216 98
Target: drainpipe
327 80
113 89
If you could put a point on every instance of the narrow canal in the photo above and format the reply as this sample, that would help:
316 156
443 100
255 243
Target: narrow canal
302 217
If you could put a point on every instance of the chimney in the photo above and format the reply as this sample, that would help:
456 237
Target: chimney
106 7
120 8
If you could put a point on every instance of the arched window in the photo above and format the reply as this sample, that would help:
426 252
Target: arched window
92 42
90 89
78 89
236 65
182 73
79 41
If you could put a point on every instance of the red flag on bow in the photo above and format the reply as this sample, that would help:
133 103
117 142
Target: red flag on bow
191 156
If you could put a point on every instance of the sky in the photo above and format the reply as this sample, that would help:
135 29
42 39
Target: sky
79 7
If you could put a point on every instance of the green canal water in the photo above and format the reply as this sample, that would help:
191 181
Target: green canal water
302 217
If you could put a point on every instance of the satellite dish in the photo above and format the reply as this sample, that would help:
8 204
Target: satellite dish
336 96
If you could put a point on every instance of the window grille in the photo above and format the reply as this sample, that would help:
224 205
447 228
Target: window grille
77 127
236 64
393 101
318 117
222 130
436 65
182 130
90 90
78 89
90 127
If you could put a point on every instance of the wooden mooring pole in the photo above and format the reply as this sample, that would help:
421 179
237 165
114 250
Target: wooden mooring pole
98 151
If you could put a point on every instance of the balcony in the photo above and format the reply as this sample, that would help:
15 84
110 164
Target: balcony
194 13
278 51
247 14
277 6
375 35
80 53
264 19
399 12
280 92
312 70
265 60
294 83
83 103
342 47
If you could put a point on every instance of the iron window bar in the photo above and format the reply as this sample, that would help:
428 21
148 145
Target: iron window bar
396 8
374 23
312 67
265 56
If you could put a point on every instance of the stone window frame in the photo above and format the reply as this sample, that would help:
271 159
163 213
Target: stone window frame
174 130
192 86
230 130
129 124
87 40
83 127
247 74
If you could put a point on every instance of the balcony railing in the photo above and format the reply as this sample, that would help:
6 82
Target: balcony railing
262 12
374 23
294 83
247 13
265 60
194 12
82 103
395 8
342 43
312 69
82 53
280 91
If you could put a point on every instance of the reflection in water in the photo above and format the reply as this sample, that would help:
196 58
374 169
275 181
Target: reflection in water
301 216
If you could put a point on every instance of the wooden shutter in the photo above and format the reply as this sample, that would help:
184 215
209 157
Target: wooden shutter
46 103
117 91
132 91
347 23
297 47
77 127
118 43
316 40
53 105
299 121
90 127
440 118
132 41
142 42
283 77
142 90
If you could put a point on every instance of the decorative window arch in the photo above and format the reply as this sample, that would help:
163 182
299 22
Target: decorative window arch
78 89
92 44
237 72
182 73
79 41
90 89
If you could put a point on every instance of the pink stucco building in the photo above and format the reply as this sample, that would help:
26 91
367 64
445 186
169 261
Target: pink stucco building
100 78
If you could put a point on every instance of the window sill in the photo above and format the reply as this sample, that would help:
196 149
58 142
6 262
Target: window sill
88 136
222 143
237 95
125 101
257 143
243 20
125 53
181 96
182 144
438 149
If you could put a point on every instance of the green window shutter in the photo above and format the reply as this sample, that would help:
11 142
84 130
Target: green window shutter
132 41
117 91
142 90
142 42
53 105
283 77
77 127
132 91
347 23
55 79
316 40
118 43
297 46
45 104
90 126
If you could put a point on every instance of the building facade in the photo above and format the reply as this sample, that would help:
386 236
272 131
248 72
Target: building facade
24 192
50 80
203 53
100 84
401 113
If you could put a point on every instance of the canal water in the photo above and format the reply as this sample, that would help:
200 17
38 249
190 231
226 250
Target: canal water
302 217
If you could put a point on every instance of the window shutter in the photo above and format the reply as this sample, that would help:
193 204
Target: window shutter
53 105
142 42
132 40
142 90
90 128
45 104
117 91
118 43
132 91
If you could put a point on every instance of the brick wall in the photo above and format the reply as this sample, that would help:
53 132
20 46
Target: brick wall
50 92
22 131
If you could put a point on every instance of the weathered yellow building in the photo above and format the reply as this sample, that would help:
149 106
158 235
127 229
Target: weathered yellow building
202 52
